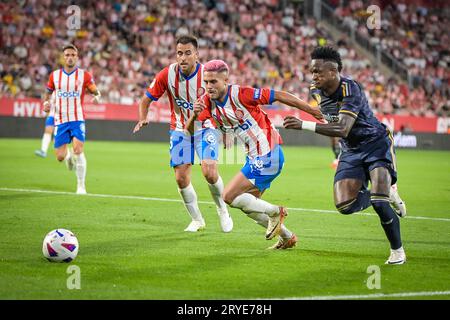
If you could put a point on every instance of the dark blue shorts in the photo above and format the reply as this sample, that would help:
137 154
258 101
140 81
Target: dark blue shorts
358 164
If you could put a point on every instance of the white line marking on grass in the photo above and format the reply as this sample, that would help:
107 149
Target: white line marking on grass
374 296
113 196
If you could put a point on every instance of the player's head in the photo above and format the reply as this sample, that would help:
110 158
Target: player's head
70 53
187 53
215 75
325 66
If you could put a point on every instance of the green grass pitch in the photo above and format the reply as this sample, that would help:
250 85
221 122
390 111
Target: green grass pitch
135 248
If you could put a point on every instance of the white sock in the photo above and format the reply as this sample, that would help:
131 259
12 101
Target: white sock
249 203
68 155
190 202
259 210
81 166
46 139
263 219
216 190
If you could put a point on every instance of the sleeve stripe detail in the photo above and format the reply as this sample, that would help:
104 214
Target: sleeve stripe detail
345 89
150 96
349 112
272 96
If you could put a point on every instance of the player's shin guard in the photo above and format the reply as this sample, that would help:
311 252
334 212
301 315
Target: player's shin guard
190 202
259 210
249 203
361 202
388 218
81 167
216 190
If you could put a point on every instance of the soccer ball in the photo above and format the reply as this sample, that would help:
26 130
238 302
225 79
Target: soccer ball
60 245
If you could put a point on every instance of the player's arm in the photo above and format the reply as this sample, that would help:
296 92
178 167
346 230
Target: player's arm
46 101
144 105
295 102
200 111
95 92
48 93
340 129
89 84
154 91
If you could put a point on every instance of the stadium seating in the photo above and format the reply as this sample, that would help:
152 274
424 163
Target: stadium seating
125 44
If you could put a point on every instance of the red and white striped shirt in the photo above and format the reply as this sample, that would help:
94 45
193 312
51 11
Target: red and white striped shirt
182 92
69 93
241 114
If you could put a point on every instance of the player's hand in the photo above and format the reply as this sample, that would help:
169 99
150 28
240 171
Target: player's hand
317 114
46 105
96 99
228 140
291 122
139 125
198 107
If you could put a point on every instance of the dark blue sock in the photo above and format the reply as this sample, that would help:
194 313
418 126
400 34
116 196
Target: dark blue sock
388 218
361 202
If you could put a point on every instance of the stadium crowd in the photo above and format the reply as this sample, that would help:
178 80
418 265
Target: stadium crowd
125 44
416 35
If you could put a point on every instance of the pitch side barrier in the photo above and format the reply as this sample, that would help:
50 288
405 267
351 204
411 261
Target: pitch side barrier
24 118
114 130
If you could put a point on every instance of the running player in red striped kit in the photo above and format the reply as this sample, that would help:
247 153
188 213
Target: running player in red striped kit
70 84
183 82
235 109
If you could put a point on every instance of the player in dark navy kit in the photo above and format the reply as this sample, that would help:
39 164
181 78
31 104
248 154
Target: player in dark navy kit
367 147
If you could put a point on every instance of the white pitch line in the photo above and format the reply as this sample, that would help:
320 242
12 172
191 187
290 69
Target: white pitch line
96 195
374 296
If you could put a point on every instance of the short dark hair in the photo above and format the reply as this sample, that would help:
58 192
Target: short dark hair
327 53
70 46
188 39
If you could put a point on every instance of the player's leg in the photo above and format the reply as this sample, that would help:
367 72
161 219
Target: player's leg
62 139
78 134
242 194
62 153
246 188
181 159
189 196
216 187
350 184
80 165
351 195
207 148
397 203
381 184
46 137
